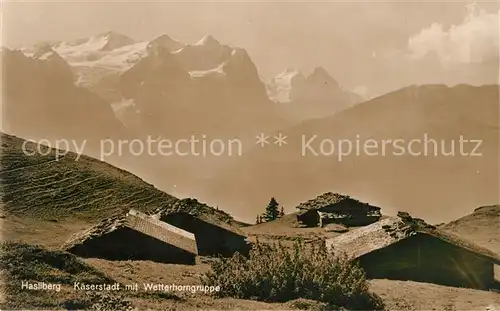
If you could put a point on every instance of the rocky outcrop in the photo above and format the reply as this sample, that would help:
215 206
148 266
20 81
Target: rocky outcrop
206 54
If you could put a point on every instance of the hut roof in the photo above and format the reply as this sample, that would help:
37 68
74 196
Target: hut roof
140 222
326 199
203 212
391 230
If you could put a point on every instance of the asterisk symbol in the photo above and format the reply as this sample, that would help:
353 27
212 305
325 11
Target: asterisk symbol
262 140
280 139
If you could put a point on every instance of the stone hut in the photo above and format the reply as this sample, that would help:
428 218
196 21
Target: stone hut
336 208
135 236
406 248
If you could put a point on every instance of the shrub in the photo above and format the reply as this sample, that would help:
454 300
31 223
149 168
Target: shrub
107 302
275 273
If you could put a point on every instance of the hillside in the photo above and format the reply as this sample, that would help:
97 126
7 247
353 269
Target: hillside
407 295
404 177
49 188
481 226
46 199
26 263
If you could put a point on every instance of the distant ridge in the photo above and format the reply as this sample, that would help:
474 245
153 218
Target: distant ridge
408 180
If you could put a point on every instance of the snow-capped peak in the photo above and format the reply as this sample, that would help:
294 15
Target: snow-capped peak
282 84
215 72
108 50
45 52
289 73
109 33
106 41
166 42
208 40
114 40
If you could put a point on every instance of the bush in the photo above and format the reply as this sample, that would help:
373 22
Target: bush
275 273
106 302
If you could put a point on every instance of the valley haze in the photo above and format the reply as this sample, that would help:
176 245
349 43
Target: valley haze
250 155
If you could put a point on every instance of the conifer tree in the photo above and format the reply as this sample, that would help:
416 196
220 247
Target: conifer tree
282 213
258 220
272 211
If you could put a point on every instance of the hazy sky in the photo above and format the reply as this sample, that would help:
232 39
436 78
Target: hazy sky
371 46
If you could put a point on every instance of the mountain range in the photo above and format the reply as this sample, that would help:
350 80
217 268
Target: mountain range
190 78
110 86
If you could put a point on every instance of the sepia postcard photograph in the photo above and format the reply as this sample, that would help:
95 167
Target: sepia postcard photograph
250 155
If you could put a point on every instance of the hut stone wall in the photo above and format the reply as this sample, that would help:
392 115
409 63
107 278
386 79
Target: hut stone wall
309 218
128 244
424 258
210 238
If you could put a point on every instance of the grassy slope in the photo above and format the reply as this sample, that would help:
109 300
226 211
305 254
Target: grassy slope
45 200
397 295
287 229
405 295
22 262
47 188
